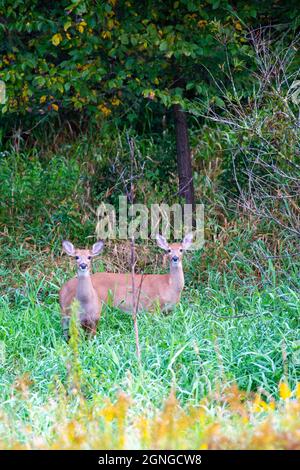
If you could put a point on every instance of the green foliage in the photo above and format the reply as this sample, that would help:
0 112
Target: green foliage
106 59
60 191
36 194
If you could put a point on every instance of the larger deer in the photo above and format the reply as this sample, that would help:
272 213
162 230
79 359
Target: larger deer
81 288
151 289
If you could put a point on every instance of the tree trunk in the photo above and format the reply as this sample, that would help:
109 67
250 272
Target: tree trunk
184 161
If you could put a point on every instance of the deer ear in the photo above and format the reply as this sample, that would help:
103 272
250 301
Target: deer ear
162 242
68 248
97 247
187 241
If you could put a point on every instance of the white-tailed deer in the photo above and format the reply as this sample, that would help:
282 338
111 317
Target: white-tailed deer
81 288
151 289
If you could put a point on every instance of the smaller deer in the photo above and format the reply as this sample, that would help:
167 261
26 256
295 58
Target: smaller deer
82 289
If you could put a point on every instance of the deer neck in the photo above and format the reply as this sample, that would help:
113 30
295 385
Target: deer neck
177 277
85 288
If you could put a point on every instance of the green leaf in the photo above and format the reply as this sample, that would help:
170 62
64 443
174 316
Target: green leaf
163 46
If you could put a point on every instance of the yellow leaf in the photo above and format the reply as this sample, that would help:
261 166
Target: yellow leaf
284 391
43 99
67 25
106 111
202 23
80 27
110 24
56 39
106 34
238 26
115 101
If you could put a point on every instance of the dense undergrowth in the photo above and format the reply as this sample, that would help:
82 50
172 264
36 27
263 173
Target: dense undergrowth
220 371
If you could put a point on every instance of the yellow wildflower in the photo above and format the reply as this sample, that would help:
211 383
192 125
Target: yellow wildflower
54 107
284 391
298 391
43 99
203 446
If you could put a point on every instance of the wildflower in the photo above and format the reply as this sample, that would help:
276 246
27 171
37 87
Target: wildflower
54 107
298 391
203 446
284 391
260 405
43 99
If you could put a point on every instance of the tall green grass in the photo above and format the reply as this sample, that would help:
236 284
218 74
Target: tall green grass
219 335
237 323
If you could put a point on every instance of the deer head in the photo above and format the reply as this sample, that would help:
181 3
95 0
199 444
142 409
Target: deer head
175 250
83 257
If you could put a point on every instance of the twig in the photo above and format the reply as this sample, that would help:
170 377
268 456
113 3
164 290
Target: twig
135 299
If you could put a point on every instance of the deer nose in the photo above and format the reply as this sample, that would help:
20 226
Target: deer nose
175 259
83 266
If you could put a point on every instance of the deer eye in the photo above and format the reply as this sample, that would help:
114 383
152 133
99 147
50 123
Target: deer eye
76 257
89 257
181 250
169 250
